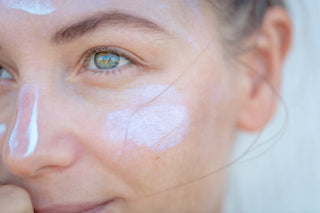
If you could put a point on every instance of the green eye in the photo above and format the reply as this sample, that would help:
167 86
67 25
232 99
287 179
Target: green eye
105 60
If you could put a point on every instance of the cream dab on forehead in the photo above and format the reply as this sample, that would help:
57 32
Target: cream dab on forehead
35 7
158 126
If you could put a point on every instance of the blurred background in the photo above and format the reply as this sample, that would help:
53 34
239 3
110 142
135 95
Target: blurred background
281 172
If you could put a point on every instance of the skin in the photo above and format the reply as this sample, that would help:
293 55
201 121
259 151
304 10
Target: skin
74 167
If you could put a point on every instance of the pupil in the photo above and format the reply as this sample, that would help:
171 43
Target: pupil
106 60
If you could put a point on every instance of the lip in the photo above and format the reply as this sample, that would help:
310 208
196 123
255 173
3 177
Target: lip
78 208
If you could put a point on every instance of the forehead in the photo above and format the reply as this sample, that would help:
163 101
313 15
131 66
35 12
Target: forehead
34 22
51 12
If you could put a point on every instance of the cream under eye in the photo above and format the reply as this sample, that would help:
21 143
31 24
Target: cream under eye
4 74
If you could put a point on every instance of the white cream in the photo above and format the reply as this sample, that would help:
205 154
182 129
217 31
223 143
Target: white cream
35 7
158 126
24 136
3 129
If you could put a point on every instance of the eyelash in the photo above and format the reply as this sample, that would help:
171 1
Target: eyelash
89 55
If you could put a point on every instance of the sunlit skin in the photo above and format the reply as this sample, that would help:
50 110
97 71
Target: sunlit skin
75 167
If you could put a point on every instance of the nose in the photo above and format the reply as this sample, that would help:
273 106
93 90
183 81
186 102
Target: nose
32 146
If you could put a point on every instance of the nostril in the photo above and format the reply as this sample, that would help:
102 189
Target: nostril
22 167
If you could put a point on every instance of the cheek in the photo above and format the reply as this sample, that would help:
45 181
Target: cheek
140 139
160 132
156 121
157 128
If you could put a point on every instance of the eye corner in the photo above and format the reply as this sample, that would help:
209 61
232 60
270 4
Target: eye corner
6 74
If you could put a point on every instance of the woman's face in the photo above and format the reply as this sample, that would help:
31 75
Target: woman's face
127 106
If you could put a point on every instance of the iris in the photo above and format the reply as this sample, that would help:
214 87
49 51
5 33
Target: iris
105 60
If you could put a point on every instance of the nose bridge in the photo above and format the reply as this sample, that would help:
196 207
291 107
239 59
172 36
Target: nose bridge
30 145
24 136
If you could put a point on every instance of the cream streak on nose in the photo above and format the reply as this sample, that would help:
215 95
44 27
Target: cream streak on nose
3 129
35 7
24 136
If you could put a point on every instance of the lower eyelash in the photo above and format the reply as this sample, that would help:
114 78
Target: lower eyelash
108 72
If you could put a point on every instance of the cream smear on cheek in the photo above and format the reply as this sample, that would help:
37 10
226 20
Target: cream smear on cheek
35 7
157 126
3 129
24 136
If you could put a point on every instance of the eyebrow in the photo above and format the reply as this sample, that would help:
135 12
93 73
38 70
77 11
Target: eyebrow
115 18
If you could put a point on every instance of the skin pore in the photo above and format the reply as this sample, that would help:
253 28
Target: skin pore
139 137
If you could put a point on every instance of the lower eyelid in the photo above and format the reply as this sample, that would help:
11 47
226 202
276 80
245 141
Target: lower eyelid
110 79
126 69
